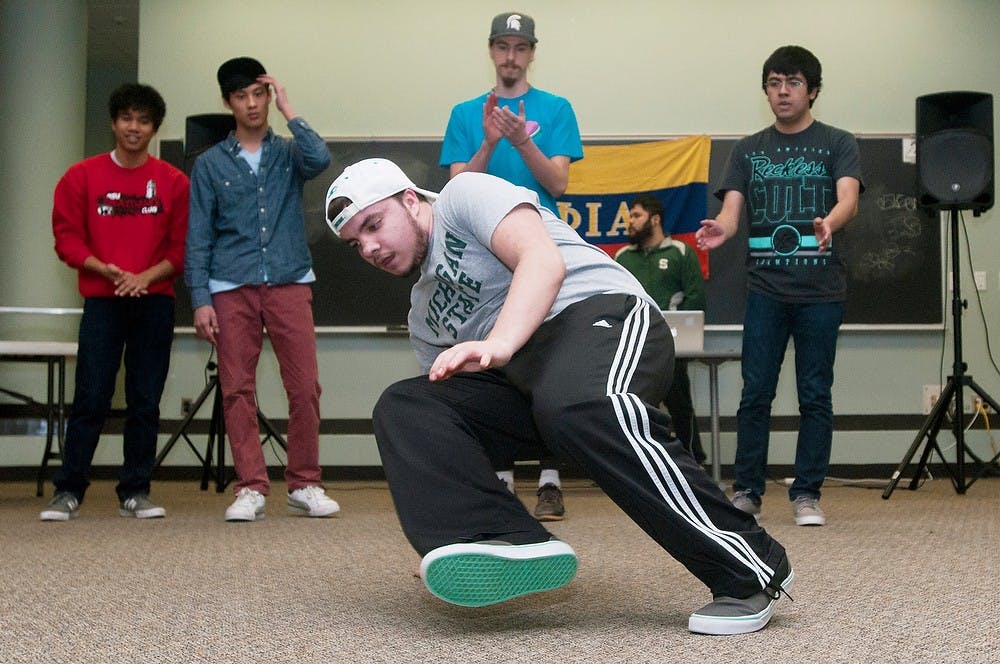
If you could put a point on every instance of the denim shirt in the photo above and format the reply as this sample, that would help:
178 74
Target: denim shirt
248 228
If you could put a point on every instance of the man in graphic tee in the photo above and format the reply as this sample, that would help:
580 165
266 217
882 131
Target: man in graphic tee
799 180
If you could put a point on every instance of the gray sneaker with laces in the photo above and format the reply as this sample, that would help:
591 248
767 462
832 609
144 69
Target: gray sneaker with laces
63 507
141 507
744 500
731 615
806 511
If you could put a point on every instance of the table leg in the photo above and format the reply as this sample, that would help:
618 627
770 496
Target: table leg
713 385
50 425
61 432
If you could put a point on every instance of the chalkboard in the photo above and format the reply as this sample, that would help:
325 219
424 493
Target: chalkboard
892 248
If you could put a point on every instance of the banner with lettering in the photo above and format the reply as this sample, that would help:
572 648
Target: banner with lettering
604 182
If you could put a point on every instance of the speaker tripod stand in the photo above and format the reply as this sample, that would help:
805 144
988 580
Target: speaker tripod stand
216 434
952 394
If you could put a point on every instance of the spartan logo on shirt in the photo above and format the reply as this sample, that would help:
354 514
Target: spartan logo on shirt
456 295
783 199
117 204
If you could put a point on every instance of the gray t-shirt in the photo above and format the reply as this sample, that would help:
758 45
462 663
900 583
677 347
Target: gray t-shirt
463 284
788 180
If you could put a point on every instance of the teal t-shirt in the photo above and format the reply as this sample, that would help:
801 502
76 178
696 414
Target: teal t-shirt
557 134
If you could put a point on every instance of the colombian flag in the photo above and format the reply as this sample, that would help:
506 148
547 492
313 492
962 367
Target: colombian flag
604 182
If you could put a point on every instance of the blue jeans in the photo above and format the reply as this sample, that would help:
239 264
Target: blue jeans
144 328
767 326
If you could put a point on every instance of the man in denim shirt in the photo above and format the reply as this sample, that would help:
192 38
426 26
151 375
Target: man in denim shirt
248 267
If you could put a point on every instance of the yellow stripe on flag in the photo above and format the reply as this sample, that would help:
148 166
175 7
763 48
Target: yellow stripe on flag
608 169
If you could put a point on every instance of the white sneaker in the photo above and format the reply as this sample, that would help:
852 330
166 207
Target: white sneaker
248 506
312 501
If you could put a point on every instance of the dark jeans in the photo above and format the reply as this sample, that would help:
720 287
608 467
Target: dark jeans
144 328
767 326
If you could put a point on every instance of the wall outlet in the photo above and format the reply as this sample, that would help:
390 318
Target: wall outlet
931 394
970 400
978 276
978 401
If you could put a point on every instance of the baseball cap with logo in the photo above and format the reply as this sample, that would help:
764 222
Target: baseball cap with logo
363 184
513 24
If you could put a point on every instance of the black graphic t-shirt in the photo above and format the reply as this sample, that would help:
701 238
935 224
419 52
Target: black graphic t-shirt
788 180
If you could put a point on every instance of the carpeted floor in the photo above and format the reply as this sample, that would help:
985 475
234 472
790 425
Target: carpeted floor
911 579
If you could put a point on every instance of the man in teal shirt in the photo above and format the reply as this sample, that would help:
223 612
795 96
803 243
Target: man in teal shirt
528 137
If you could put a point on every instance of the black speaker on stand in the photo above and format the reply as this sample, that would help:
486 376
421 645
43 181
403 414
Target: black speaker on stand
954 172
955 151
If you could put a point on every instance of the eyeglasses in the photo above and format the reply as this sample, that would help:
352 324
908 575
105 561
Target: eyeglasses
792 83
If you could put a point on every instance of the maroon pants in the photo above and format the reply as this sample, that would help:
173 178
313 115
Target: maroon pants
286 313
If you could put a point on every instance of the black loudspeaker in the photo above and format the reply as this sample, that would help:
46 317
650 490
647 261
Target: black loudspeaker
955 151
202 132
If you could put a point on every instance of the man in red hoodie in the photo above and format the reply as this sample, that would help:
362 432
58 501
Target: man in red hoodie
120 220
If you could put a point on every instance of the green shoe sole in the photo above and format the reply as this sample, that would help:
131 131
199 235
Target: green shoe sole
483 574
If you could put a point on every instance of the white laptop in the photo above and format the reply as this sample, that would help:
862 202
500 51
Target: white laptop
688 328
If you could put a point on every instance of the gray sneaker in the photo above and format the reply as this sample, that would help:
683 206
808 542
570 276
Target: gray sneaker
63 507
550 504
806 511
141 507
744 500
730 615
